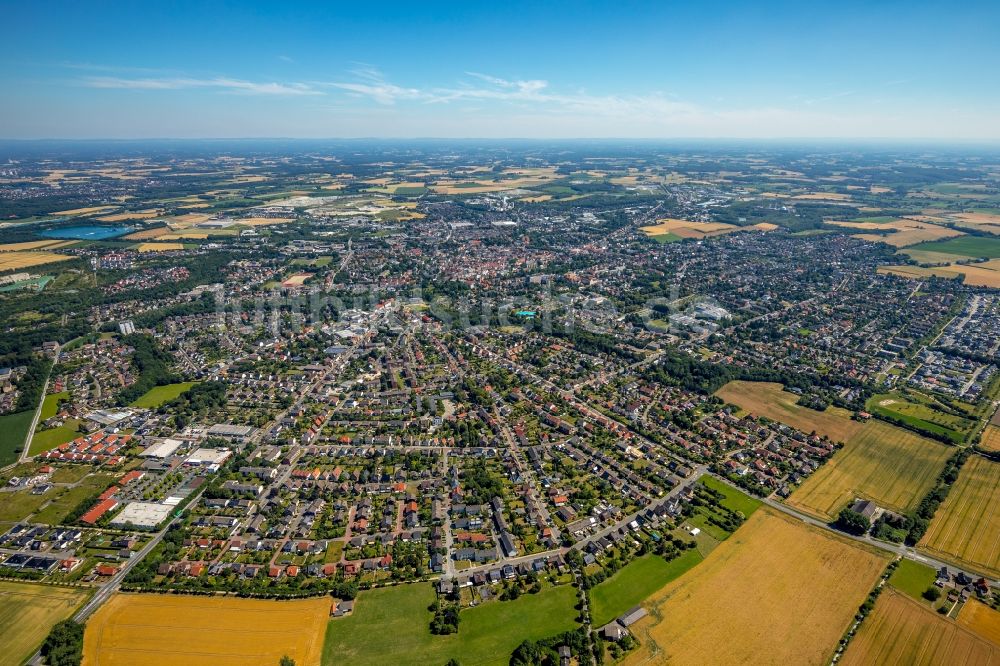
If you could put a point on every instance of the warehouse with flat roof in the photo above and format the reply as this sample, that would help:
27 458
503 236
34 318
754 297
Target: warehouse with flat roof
142 515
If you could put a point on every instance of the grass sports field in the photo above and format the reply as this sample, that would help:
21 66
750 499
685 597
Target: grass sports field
391 625
891 466
635 582
775 592
150 629
158 395
981 620
13 432
770 400
966 527
901 631
28 612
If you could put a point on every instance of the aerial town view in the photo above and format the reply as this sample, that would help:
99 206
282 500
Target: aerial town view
644 375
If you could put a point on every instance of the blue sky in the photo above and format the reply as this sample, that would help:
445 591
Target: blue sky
503 69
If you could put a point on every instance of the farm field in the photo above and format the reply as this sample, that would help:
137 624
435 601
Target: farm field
784 591
27 245
899 233
158 395
969 246
981 620
137 630
25 259
487 635
27 613
890 466
90 210
634 582
978 274
991 438
901 631
921 414
13 432
966 527
770 400
158 247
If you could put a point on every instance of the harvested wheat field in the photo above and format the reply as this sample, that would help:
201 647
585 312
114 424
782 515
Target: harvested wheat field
27 245
981 620
13 260
264 221
159 247
893 467
27 613
132 215
686 229
146 234
991 438
772 401
917 272
86 211
901 631
148 629
776 592
900 233
966 527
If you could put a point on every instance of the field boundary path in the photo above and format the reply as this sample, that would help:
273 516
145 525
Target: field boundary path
38 413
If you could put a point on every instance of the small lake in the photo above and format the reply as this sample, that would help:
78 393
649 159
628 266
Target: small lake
92 232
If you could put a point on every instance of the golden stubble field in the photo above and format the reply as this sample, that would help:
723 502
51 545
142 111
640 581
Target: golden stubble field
167 630
966 527
901 631
776 592
889 465
901 232
991 438
28 611
981 620
893 467
772 401
14 260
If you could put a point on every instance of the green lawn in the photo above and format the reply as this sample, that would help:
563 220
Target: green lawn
391 626
666 238
44 440
636 581
19 505
68 499
734 500
912 578
968 246
158 395
13 432
51 403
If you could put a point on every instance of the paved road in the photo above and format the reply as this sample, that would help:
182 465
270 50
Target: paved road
38 413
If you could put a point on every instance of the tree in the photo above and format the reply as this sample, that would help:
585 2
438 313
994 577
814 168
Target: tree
64 644
932 593
853 522
286 661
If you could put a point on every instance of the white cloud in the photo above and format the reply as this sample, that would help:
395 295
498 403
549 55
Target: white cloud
218 83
